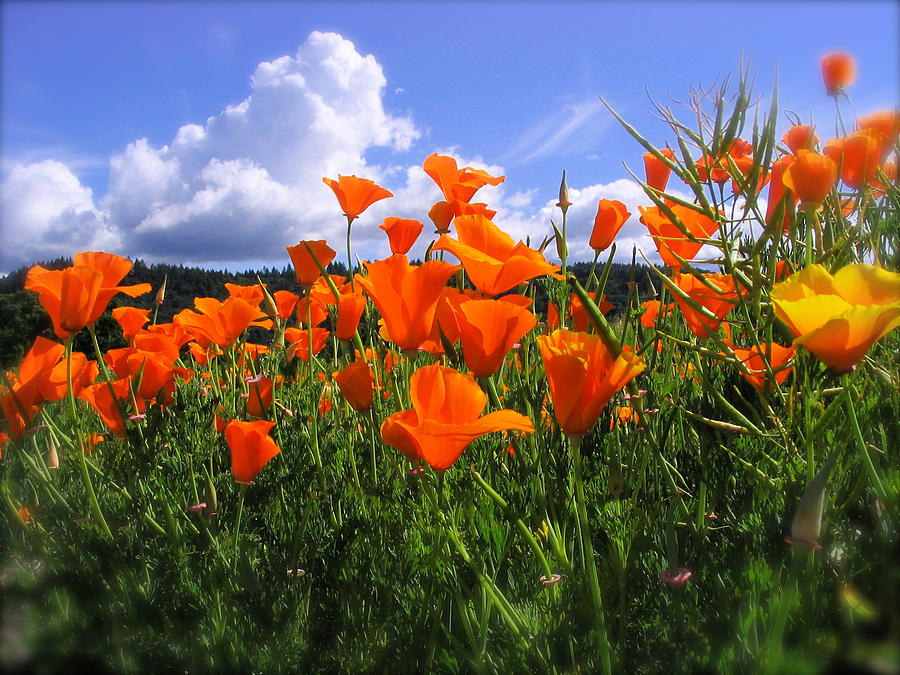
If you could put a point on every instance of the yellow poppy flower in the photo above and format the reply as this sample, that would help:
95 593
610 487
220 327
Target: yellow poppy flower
838 318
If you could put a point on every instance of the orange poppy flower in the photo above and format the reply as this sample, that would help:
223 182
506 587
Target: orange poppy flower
718 303
406 296
838 318
106 399
285 303
488 329
577 312
838 72
454 182
669 239
260 395
611 216
800 137
652 309
885 125
298 342
219 323
305 265
402 233
583 376
656 170
29 386
445 417
356 384
253 295
350 307
131 319
623 414
810 177
78 295
355 194
441 214
494 263
709 168
312 309
777 193
251 448
461 208
858 155
754 363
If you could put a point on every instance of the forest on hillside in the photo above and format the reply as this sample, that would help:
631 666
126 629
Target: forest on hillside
22 319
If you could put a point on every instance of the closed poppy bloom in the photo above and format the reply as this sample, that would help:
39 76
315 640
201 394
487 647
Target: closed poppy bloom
251 448
131 319
310 309
583 376
810 177
777 193
580 318
754 363
350 307
838 72
454 182
717 302
406 295
77 296
305 266
611 216
402 233
355 194
858 155
800 137
445 417
669 238
441 214
285 303
494 263
488 329
259 396
656 170
838 318
623 414
219 323
356 384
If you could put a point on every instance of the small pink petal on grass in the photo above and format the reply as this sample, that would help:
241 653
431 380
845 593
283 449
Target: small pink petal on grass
676 578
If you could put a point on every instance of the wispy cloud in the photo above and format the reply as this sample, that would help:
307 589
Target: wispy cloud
550 135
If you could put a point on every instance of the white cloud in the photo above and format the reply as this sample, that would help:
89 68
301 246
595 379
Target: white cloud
46 212
240 186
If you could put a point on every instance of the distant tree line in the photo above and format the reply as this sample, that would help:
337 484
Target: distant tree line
22 318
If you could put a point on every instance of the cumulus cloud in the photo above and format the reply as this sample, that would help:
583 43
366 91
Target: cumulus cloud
247 182
237 187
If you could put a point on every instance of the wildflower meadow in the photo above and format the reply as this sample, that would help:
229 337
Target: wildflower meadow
476 462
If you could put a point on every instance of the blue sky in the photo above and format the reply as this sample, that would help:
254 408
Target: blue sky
506 85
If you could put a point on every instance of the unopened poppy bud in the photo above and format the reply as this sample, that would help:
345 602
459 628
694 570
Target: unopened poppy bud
268 300
807 523
212 499
161 292
52 455
564 202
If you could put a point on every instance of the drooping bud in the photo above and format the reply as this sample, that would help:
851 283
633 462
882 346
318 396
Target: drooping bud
268 300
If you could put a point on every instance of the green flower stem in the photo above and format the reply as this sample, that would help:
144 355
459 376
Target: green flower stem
523 529
589 564
79 447
861 443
